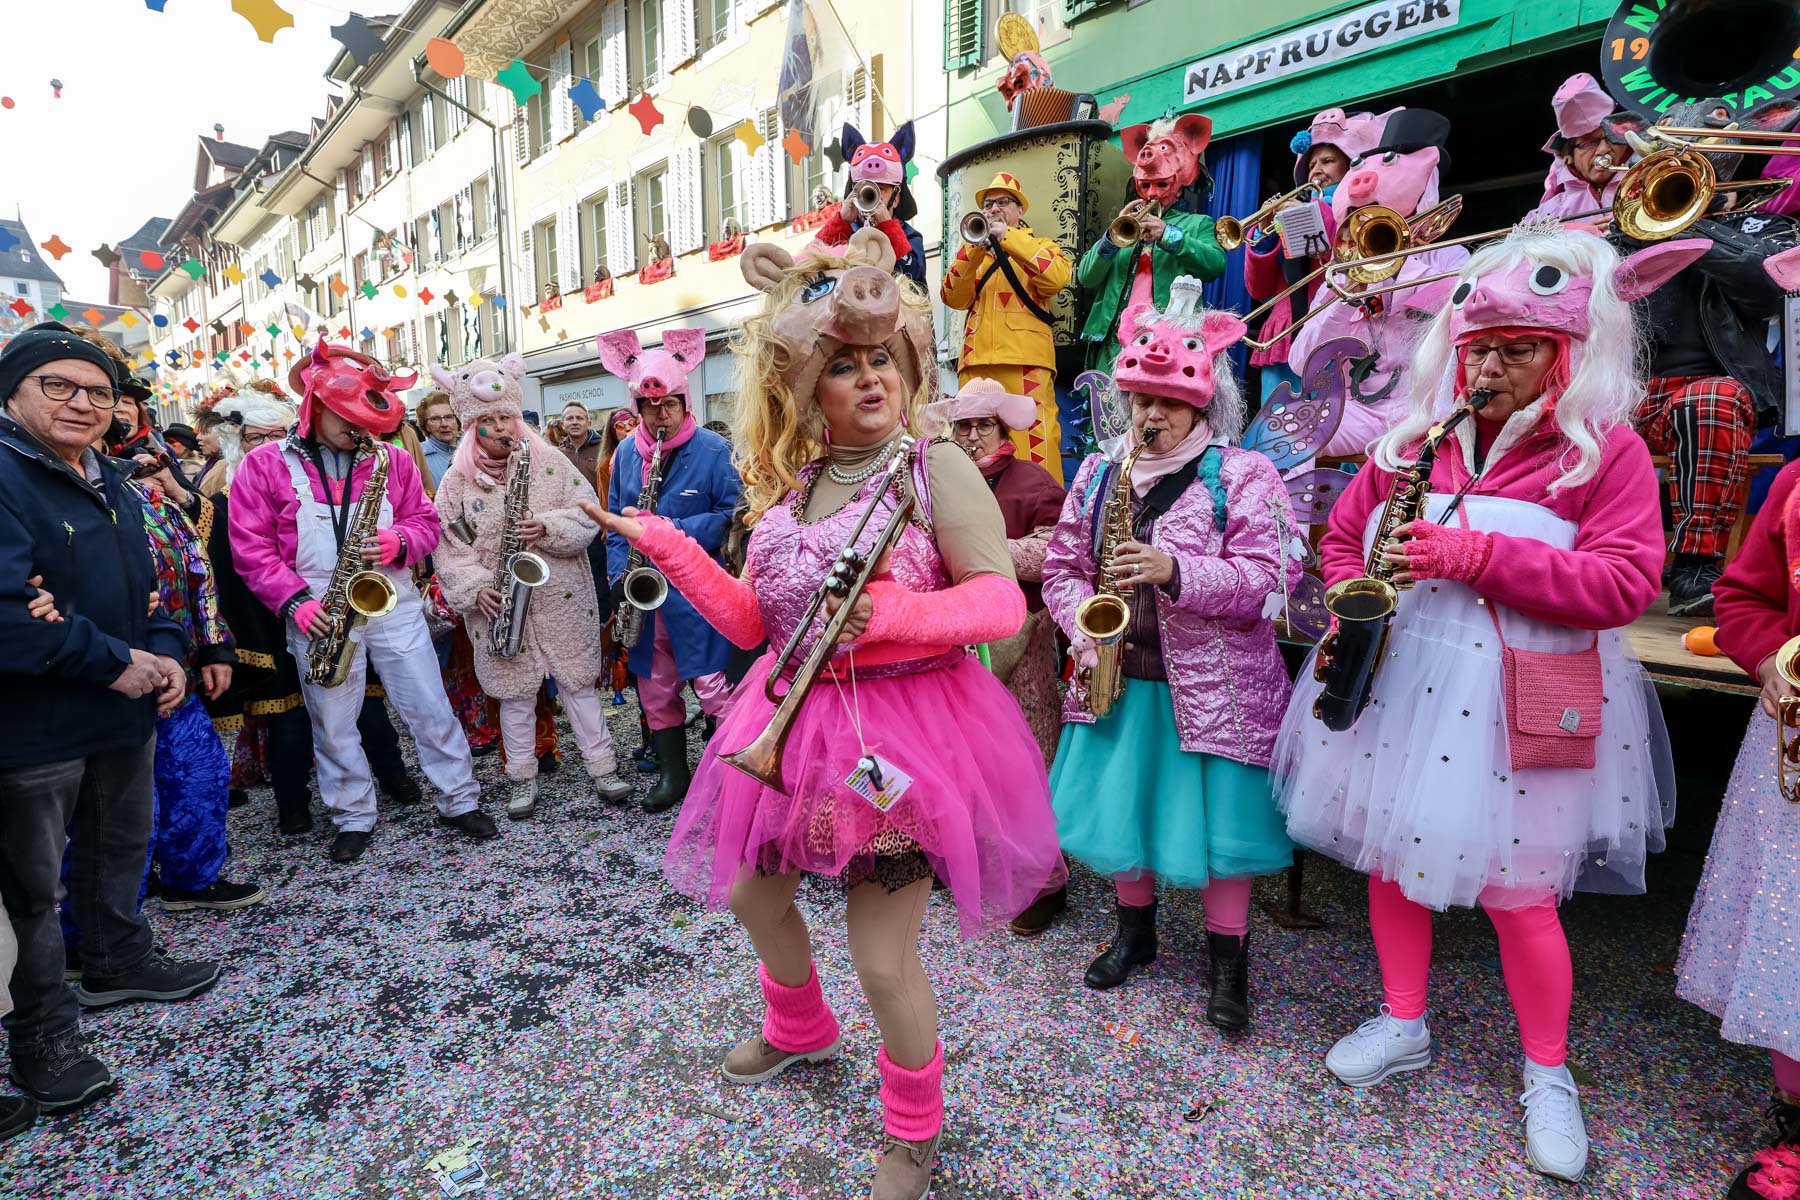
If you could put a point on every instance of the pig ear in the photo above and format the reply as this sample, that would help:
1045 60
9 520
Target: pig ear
1784 269
902 141
1195 130
764 265
514 365
1653 266
852 140
1775 115
1132 138
618 350
1128 320
445 379
687 345
1221 329
875 245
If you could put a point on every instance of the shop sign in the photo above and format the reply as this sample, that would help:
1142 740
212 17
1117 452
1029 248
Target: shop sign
1363 30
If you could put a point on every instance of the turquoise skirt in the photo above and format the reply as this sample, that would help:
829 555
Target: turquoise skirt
1128 799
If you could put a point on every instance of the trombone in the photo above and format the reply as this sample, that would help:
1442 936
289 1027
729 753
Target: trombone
1231 232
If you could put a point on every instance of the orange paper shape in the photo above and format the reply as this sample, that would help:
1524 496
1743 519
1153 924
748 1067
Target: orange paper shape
56 247
445 57
265 16
797 146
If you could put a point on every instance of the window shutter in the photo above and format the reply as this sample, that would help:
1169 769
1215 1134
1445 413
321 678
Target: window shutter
365 171
621 229
429 118
962 32
562 109
459 92
687 223
612 54
392 159
465 218
677 33
568 250
521 134
493 215
1072 9
527 268
775 179
862 114
406 159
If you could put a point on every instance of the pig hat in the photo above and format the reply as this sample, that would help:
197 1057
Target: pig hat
484 386
653 374
983 398
883 162
352 385
1173 352
1580 104
1355 134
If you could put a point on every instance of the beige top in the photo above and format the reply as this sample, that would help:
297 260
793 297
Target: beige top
965 518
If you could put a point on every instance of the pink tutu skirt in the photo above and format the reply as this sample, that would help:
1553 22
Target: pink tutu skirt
978 808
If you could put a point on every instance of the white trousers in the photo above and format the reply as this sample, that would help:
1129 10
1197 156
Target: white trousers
518 730
399 647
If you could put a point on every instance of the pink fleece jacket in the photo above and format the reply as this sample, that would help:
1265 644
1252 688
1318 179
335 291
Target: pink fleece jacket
264 518
1610 577
1756 603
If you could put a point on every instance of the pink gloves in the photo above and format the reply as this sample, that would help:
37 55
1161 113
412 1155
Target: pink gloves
303 616
1442 552
391 545
983 609
728 604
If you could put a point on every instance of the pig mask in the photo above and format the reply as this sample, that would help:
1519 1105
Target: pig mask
1172 354
1165 156
847 297
653 374
352 385
484 386
1406 183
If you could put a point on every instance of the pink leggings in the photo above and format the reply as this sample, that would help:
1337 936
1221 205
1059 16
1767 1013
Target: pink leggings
660 693
1227 900
1534 957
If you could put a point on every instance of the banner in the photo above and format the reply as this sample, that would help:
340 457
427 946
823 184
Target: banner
1370 28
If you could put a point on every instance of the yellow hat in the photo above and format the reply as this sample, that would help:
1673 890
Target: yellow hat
1005 182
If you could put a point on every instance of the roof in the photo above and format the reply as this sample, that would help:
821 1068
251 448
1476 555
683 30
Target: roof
148 237
23 259
228 154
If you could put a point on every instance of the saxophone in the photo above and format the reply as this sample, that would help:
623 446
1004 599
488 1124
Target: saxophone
519 571
356 592
1363 607
645 587
1106 615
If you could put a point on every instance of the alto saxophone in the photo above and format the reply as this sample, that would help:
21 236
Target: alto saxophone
1105 616
1362 607
519 571
645 587
355 592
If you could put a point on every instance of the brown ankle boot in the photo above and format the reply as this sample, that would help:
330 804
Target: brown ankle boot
905 1170
755 1061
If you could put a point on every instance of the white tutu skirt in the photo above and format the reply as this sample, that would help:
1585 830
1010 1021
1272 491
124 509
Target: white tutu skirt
1421 791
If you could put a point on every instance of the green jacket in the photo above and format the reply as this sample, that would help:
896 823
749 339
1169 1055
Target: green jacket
1106 273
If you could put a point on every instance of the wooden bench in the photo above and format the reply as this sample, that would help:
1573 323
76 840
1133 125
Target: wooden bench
1740 524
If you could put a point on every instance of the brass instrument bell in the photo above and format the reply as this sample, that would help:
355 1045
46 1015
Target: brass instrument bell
1231 232
975 229
1127 229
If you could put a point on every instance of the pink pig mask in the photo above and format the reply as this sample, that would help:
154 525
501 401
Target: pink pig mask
1535 294
653 374
1172 354
1165 155
1406 183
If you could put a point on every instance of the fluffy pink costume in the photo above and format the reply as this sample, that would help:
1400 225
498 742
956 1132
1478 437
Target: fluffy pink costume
653 374
912 1101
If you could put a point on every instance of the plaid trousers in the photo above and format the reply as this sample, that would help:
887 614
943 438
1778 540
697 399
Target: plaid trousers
1704 423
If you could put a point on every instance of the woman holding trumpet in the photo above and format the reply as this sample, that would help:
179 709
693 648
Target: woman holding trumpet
1174 783
876 780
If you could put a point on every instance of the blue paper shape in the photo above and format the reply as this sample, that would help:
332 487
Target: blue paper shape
270 279
7 240
587 99
498 301
366 333
160 321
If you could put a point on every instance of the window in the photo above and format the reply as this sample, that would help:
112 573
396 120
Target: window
537 113
359 269
1046 16
394 347
714 23
543 244
353 180
416 129
483 216
652 216
423 255
476 96
448 230
649 44
723 178
593 236
378 155
809 182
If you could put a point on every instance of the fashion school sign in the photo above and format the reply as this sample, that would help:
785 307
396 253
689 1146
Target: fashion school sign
1361 31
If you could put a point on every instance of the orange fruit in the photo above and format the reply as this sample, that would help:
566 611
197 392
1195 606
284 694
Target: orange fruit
1700 640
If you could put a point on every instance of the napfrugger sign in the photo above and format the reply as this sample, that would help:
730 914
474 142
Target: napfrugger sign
1346 35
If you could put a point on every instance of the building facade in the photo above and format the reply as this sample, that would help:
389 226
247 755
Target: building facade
29 284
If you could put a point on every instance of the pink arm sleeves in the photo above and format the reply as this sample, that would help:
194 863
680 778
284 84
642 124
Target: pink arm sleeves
1443 552
304 614
985 608
728 604
391 547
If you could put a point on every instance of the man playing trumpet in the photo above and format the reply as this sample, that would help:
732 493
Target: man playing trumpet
1005 277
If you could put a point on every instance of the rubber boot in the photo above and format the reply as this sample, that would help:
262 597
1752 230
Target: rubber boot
672 784
1228 980
1134 945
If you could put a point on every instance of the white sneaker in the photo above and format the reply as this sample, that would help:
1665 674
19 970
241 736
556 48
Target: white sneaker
1379 1047
521 799
1555 1138
610 788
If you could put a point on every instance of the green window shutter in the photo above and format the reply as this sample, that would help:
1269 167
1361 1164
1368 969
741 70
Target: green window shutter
962 33
1073 9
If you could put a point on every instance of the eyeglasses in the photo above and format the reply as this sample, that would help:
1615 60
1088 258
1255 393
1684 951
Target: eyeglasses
252 440
55 387
1513 354
982 426
668 404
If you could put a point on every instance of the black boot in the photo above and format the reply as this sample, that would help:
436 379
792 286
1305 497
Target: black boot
1690 585
1134 945
672 784
293 811
1228 980
1785 1114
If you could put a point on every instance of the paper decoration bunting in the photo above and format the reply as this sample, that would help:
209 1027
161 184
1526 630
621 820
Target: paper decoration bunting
912 170
105 254
155 5
343 331
151 259
274 330
368 289
234 273
1109 112
191 325
752 137
451 298
358 38
55 247
307 283
476 299
194 268
445 57
129 319
648 115
270 279
797 146
93 316
498 301
19 306
57 312
339 287
587 99
835 152
425 296
6 101
218 327
366 334
516 78
399 291
700 121
7 240
246 328
160 321
265 16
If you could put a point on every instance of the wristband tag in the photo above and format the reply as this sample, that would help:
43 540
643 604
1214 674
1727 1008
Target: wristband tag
878 781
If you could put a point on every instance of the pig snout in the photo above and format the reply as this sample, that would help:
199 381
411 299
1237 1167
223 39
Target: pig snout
652 385
1361 185
866 307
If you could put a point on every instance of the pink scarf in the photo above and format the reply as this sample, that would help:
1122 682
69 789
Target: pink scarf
489 473
991 463
647 445
1152 465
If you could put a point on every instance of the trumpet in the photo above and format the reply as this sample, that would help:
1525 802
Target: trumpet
1127 229
1787 723
1232 232
975 229
866 198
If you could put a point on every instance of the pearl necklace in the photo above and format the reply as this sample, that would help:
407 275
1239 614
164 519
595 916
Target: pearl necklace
850 478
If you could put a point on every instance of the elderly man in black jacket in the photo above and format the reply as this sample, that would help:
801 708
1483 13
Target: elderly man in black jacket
79 698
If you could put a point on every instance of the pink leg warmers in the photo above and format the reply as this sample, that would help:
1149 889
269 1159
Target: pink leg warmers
912 1101
798 1020
1138 891
1227 900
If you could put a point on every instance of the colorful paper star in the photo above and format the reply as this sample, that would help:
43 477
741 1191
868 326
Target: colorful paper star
155 5
797 146
476 299
191 325
151 259
234 273
195 268
7 240
307 283
343 331
129 319
358 38
270 279
498 301
587 99
445 57
56 247
265 16
425 296
912 171
93 316
399 291
451 298
160 321
57 312
369 290
366 334
218 327
103 253
644 109
339 287
752 137
516 78
274 329
835 152
246 328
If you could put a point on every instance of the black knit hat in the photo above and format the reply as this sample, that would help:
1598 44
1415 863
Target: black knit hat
46 343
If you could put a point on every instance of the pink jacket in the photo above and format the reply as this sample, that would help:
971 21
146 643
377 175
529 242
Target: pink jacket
1225 671
1610 577
1263 279
1566 194
265 512
1757 605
